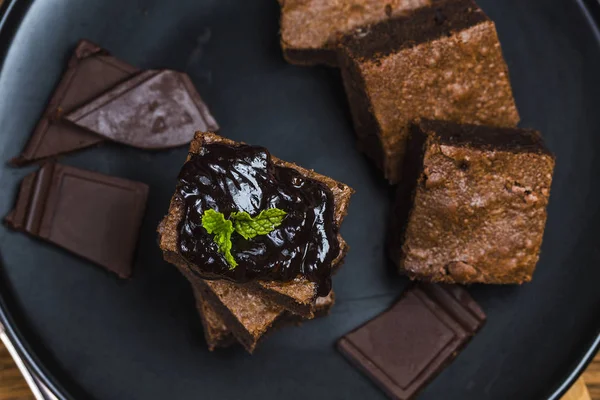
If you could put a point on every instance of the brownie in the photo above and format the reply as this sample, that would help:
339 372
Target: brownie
217 332
311 29
301 290
404 348
297 296
441 62
245 313
472 206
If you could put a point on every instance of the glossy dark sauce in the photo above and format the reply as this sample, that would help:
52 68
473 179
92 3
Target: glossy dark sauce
243 178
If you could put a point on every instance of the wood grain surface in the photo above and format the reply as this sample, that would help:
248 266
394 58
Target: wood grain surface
13 387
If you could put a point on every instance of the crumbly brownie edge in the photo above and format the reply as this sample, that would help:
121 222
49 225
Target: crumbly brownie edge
366 127
305 306
214 335
412 177
484 137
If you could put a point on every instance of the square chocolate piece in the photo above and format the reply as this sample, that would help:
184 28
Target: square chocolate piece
407 346
311 29
472 206
95 216
441 62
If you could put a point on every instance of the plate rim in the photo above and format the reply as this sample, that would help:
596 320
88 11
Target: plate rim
11 14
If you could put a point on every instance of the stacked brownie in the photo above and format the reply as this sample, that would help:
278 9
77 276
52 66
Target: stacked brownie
433 108
249 299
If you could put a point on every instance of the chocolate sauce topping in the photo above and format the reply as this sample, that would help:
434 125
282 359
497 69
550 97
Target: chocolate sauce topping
243 178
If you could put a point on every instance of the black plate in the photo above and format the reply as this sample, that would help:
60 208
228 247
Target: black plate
98 337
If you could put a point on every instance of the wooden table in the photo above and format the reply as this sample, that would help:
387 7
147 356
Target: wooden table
13 387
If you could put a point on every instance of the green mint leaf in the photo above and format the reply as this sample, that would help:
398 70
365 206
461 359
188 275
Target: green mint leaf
249 227
215 223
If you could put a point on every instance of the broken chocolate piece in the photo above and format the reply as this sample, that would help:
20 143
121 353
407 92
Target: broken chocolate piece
152 110
92 215
472 205
407 346
310 29
424 66
90 72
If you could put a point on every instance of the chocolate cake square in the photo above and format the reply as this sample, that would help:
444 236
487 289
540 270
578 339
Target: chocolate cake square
441 62
472 206
298 296
311 29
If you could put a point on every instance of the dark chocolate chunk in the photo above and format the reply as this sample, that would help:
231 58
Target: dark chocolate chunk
407 346
90 72
92 215
152 110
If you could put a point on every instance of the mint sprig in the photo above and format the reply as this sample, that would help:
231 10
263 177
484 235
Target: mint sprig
241 222
262 224
215 223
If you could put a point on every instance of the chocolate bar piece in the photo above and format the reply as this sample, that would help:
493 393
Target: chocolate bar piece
442 62
92 215
473 205
310 29
152 110
404 348
90 72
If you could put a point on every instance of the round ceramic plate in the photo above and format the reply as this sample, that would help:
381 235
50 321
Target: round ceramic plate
90 336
